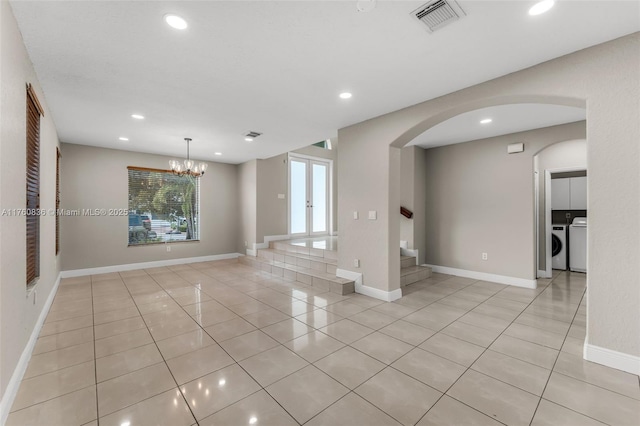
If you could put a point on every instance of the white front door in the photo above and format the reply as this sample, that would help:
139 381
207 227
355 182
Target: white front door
308 196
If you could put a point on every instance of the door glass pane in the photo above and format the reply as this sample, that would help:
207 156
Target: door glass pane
319 198
298 197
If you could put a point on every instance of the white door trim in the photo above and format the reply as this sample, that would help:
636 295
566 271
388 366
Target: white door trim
310 159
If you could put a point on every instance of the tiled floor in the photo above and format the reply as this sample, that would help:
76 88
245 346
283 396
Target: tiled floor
219 343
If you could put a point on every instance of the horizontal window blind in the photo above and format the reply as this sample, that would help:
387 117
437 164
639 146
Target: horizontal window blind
163 207
33 186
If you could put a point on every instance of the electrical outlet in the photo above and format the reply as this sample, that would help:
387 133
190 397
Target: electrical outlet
373 215
567 215
356 263
168 248
355 215
485 256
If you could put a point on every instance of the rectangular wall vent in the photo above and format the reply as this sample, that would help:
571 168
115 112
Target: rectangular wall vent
436 14
252 134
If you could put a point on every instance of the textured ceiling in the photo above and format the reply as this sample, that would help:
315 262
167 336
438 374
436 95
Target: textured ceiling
276 66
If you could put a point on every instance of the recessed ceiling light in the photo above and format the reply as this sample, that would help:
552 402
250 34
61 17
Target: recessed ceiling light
122 138
137 116
541 7
486 121
176 22
217 153
345 95
248 139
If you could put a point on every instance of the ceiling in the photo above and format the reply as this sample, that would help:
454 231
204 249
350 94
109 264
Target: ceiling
276 67
506 119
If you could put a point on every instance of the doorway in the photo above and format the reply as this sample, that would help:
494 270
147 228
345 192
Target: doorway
309 195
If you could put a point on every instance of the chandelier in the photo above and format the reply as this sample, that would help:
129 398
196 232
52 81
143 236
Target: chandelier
188 166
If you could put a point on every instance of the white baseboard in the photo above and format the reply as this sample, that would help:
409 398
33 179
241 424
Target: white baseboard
145 265
410 252
387 296
502 279
611 358
18 373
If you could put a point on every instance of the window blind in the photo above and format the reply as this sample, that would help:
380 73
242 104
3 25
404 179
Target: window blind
34 110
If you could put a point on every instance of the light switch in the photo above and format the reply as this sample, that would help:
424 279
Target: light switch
373 215
281 196
355 215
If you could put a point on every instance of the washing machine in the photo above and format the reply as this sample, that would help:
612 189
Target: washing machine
559 243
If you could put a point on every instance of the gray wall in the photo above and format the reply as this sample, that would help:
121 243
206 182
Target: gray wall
19 310
94 178
567 154
605 80
481 199
247 205
413 187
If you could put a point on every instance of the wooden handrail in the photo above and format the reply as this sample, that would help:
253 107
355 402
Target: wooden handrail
406 212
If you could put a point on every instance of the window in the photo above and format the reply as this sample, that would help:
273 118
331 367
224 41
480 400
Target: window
58 155
326 144
163 207
34 111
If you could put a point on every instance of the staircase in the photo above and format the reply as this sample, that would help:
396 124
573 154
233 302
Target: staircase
410 272
297 261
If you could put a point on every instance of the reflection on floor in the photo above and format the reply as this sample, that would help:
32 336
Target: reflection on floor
221 343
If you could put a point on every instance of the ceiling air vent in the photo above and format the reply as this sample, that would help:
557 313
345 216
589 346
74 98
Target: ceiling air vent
251 134
436 14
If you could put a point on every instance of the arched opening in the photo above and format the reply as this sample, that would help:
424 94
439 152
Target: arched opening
468 228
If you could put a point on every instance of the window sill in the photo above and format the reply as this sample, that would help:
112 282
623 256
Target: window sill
32 286
163 242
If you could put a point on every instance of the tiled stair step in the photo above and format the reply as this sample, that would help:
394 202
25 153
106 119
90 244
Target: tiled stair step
315 252
412 274
298 259
406 261
322 280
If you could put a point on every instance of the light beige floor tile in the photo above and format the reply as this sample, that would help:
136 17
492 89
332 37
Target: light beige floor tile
248 344
496 311
164 316
75 408
306 392
592 401
435 318
372 319
118 327
394 310
513 305
63 340
523 375
453 349
346 331
118 393
345 308
157 306
430 369
407 332
272 365
168 408
485 321
352 410
599 375
533 353
535 335
318 318
66 325
459 302
496 399
573 346
449 412
173 328
218 390
184 343
119 314
250 307
266 317
62 358
470 333
402 397
296 307
350 367
51 385
64 314
126 362
122 342
192 365
543 323
287 330
229 329
259 406
382 347
214 316
314 345
550 414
